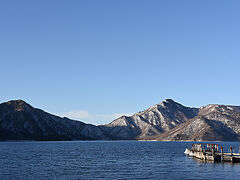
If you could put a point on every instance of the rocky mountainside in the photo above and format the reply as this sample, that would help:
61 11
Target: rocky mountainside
213 122
20 121
167 120
154 121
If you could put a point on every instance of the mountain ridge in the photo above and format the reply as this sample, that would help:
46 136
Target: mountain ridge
21 121
167 120
155 120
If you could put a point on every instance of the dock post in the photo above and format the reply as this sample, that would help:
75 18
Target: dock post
232 159
212 150
222 159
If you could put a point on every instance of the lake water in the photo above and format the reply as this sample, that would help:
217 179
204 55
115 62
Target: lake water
108 160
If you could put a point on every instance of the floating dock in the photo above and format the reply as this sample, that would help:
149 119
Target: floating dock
210 152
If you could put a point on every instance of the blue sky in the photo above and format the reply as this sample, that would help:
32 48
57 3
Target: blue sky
95 60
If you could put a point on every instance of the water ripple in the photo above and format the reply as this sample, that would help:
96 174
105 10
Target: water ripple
107 160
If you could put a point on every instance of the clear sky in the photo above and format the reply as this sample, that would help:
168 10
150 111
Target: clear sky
97 59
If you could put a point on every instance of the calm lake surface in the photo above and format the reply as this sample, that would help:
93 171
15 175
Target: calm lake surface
108 160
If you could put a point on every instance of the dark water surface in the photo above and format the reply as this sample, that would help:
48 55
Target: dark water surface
108 160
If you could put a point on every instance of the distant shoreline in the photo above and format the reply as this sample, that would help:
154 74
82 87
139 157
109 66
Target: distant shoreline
108 141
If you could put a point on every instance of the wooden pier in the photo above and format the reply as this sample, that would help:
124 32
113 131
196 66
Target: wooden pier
210 152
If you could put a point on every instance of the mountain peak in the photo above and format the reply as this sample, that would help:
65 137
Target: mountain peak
169 101
19 105
21 121
153 121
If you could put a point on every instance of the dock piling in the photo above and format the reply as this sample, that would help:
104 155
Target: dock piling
222 159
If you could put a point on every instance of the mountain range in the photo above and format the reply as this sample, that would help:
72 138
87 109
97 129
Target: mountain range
167 120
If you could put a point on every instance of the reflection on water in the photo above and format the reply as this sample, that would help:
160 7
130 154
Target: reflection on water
108 160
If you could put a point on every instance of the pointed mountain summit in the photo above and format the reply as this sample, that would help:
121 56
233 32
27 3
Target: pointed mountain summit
154 121
18 104
15 105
